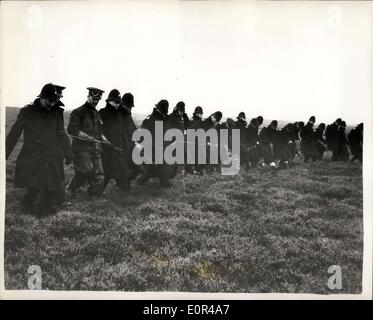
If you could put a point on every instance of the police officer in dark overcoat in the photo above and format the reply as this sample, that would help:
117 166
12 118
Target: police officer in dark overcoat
164 172
114 156
128 128
38 166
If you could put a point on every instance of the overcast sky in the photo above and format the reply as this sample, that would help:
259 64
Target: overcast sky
283 60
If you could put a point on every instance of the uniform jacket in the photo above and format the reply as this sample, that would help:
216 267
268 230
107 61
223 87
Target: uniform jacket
88 120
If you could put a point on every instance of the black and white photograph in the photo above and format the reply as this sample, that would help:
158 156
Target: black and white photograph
172 149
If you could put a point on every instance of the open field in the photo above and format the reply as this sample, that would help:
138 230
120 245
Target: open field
259 231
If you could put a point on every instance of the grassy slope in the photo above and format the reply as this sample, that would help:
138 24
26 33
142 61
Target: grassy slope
262 231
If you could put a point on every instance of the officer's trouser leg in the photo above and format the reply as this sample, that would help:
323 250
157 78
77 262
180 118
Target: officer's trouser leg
83 167
58 196
146 174
321 154
135 169
95 180
335 154
48 202
266 153
244 157
123 184
88 167
164 173
164 180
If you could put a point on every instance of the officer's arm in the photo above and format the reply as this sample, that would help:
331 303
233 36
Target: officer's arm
301 134
65 140
14 133
146 124
101 131
263 135
66 145
74 127
327 134
347 140
104 139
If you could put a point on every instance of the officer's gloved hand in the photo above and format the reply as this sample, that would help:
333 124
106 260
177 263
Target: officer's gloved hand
90 139
105 140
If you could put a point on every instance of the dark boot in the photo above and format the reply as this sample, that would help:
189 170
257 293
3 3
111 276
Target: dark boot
29 200
78 180
47 204
124 185
165 183
143 179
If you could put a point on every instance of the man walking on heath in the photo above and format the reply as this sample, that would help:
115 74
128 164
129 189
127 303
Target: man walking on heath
85 127
39 165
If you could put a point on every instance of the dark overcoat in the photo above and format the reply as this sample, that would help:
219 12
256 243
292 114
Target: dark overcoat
266 138
282 145
207 124
195 123
308 145
355 138
44 147
331 136
320 141
241 125
341 145
157 170
175 121
253 148
128 128
114 161
294 131
292 134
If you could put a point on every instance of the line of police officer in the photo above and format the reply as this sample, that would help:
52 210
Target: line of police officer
102 145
